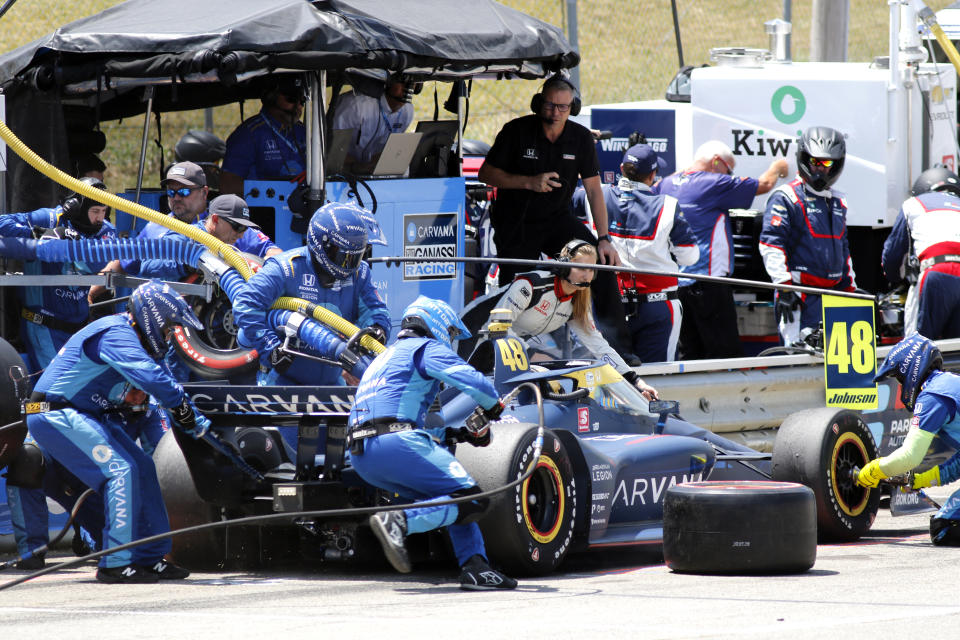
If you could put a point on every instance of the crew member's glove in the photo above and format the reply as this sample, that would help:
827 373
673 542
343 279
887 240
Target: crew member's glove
648 392
280 359
787 303
477 429
928 478
189 421
871 475
39 232
378 333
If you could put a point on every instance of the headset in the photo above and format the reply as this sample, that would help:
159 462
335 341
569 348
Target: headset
567 254
536 102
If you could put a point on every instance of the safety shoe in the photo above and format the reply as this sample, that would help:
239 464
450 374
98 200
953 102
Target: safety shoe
166 570
130 574
390 527
477 575
33 563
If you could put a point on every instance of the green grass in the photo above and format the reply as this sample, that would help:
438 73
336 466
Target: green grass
627 48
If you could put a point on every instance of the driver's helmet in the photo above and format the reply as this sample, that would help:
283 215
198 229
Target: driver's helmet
338 237
154 307
436 318
911 361
936 179
76 206
820 155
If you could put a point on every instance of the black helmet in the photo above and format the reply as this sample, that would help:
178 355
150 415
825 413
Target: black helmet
820 155
937 179
199 146
75 207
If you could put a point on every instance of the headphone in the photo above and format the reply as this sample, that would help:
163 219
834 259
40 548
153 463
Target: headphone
536 102
567 254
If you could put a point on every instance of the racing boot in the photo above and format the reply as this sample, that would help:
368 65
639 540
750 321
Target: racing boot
33 563
390 527
166 570
477 575
130 574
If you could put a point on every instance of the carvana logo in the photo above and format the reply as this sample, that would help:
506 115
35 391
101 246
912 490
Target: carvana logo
411 232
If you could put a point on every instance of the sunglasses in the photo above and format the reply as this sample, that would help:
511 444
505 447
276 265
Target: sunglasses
294 98
562 108
183 193
236 226
826 163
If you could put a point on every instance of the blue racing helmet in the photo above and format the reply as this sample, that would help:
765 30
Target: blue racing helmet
338 236
154 307
437 318
911 362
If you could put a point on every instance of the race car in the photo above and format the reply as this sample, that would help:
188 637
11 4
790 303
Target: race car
607 460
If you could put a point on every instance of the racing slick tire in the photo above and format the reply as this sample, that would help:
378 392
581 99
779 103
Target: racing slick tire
739 527
820 448
528 529
213 548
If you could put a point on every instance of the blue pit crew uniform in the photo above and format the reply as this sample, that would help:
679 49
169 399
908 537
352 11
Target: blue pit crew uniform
646 229
928 226
709 327
804 241
29 514
293 274
49 315
262 148
399 386
84 382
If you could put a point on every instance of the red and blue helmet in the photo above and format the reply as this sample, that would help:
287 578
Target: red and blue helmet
437 318
911 361
154 307
338 237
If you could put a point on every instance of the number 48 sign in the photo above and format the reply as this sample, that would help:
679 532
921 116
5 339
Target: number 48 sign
850 353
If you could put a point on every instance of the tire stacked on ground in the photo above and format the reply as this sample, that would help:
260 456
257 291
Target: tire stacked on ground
739 527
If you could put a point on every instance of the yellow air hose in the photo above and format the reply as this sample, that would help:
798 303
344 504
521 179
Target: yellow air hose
219 248
929 18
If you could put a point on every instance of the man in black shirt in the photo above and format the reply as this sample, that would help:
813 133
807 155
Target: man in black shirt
535 163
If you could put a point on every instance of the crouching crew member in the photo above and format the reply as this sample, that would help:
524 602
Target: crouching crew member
66 415
392 450
934 397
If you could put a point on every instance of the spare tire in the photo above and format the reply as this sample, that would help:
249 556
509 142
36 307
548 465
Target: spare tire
820 448
739 527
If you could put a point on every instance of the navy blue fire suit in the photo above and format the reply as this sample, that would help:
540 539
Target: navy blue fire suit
804 241
49 315
292 274
87 380
400 385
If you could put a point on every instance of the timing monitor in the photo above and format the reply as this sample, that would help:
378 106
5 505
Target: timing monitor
430 159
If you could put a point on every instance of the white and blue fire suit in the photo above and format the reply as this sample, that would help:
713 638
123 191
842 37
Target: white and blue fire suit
928 227
804 241
398 387
88 379
292 273
650 232
49 315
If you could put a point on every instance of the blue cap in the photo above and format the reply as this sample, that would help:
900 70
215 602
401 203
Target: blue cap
643 158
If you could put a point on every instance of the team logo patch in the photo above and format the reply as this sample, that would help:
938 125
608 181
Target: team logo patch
583 419
775 220
456 470
309 280
102 453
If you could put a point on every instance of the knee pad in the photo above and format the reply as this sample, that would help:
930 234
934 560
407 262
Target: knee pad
471 511
27 467
944 532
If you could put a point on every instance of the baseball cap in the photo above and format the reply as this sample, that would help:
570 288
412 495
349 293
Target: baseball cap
643 158
188 173
232 208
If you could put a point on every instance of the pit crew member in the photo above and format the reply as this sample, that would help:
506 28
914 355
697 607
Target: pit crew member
391 448
66 416
373 120
934 397
924 248
804 238
330 272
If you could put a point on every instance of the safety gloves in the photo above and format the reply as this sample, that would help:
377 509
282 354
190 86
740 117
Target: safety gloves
188 420
871 474
477 430
928 478
280 359
786 304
